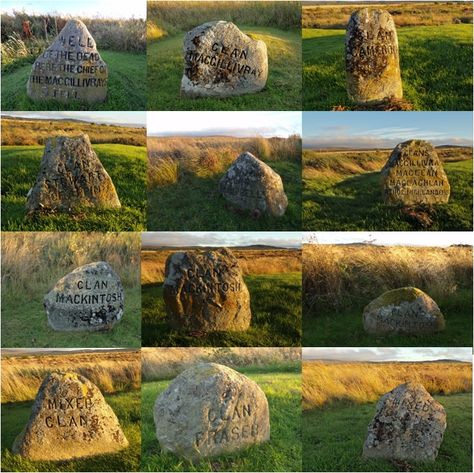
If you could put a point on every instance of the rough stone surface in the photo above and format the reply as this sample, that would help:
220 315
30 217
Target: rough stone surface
408 426
404 311
414 175
70 419
71 176
221 61
90 298
209 410
372 61
250 184
205 291
70 69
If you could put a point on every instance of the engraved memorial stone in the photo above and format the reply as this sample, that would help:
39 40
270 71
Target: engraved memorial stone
220 61
408 426
372 61
210 409
69 419
404 311
205 291
90 298
70 69
71 176
250 184
414 175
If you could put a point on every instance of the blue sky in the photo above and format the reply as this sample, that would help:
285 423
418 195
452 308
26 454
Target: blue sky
218 239
87 8
238 124
391 238
387 354
384 130
111 118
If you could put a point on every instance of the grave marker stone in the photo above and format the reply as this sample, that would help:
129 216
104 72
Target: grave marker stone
209 410
70 69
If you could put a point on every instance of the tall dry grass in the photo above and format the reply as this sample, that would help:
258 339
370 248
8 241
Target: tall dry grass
335 275
165 363
325 382
336 163
32 262
30 132
250 261
111 372
337 16
171 157
175 17
116 34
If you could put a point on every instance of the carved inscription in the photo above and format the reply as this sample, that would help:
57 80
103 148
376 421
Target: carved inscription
95 298
71 68
224 57
204 281
234 426
61 415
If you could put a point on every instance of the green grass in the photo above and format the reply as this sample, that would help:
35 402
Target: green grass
276 316
355 203
333 438
436 65
194 203
281 453
126 87
282 91
343 327
25 324
125 405
126 166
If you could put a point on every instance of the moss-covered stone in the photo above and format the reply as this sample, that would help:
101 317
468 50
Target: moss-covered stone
405 311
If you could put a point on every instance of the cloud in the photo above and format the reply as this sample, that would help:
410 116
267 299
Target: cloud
183 239
387 354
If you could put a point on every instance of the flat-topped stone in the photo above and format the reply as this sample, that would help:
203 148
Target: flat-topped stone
69 419
90 298
250 184
403 311
71 176
70 69
209 410
414 175
372 58
221 61
205 291
408 426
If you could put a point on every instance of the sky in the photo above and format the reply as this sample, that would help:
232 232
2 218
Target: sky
86 8
219 239
391 238
238 124
111 118
387 354
385 130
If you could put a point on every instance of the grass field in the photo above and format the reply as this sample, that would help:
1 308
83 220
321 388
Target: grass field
281 453
188 169
436 64
126 86
116 374
126 166
333 438
125 405
337 14
339 401
32 263
276 316
341 191
340 280
282 91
